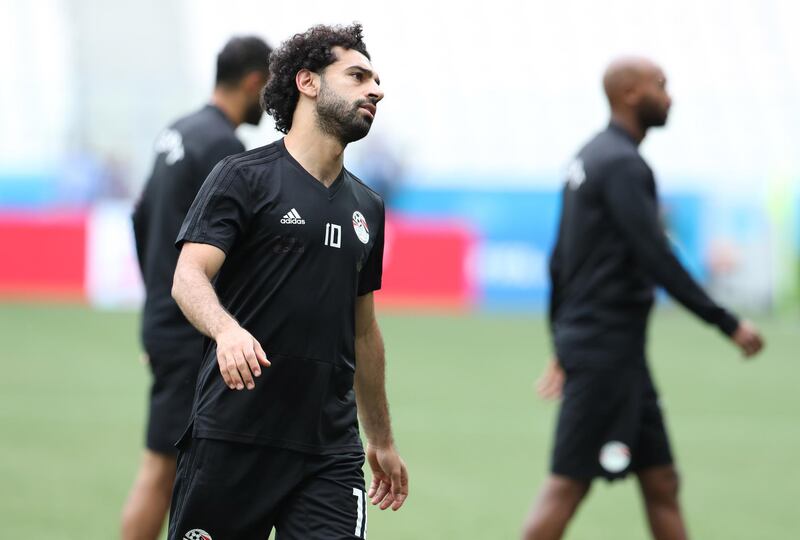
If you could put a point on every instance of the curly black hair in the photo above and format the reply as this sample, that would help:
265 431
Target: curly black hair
310 50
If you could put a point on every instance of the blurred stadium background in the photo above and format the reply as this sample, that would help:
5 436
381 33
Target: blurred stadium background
485 106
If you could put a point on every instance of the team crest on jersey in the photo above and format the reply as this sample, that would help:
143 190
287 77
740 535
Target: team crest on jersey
360 226
576 175
197 534
170 142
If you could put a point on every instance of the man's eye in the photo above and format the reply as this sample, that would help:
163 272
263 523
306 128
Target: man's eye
358 76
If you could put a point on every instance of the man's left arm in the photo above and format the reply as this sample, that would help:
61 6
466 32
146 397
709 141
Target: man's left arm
632 206
389 487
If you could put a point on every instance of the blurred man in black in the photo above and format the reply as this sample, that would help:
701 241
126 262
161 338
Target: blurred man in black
280 254
611 251
186 152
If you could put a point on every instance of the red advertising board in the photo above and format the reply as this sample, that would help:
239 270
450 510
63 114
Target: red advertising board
89 256
426 264
43 255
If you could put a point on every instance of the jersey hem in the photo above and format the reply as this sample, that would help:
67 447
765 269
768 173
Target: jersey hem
199 433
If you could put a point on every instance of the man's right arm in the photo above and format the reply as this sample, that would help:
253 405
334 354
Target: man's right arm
555 270
551 382
139 219
239 354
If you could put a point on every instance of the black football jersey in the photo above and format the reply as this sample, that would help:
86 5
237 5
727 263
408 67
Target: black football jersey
611 252
298 254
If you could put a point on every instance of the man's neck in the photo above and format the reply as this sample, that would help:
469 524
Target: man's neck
319 154
629 124
228 104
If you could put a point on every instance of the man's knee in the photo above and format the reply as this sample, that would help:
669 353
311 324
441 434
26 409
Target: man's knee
566 490
155 479
556 504
150 495
660 485
159 468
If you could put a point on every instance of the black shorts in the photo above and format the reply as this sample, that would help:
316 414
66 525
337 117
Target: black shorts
237 491
610 423
171 396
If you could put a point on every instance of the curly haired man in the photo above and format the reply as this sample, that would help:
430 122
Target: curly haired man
280 254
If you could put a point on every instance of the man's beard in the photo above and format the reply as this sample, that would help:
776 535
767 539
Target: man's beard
651 114
340 119
253 114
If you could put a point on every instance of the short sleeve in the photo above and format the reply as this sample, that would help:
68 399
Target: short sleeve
221 210
371 274
218 151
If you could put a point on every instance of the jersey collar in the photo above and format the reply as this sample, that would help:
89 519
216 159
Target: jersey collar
329 191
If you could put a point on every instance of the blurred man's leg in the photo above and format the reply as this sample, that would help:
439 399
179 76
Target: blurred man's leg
554 507
149 498
659 487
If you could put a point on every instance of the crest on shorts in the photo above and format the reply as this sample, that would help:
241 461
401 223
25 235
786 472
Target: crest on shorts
360 226
615 457
197 534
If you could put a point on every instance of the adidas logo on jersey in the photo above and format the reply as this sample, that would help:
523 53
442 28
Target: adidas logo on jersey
292 218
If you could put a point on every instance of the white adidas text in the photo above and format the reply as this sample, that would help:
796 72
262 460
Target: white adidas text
292 218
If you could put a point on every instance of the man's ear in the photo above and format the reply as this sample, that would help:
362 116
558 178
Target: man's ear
307 83
632 95
253 82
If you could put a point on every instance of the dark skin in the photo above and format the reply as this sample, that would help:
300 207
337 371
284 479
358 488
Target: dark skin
638 99
636 89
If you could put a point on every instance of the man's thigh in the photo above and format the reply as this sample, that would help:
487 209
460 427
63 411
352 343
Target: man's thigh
330 504
229 490
598 419
170 403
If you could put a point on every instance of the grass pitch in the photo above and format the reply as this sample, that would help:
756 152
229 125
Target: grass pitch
476 439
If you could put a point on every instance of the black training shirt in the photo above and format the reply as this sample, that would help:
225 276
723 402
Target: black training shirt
186 153
297 255
611 251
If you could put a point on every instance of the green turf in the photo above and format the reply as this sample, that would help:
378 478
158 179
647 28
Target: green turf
72 404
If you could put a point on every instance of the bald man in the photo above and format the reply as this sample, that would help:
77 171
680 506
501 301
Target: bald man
610 254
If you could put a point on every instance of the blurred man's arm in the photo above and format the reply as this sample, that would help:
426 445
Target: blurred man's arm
139 219
550 384
631 201
389 485
555 286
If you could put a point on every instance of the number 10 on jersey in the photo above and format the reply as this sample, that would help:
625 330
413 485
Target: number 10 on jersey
333 235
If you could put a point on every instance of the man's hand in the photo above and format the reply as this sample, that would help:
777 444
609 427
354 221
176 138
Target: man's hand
239 356
748 339
389 485
550 384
